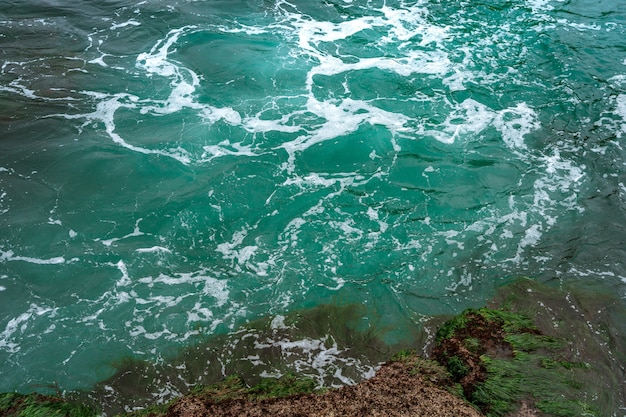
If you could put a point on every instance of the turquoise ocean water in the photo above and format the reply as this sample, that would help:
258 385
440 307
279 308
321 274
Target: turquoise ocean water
172 169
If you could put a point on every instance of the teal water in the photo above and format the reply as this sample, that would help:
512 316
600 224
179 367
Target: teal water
173 169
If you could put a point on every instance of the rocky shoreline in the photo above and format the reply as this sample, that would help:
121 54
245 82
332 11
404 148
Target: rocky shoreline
534 351
407 387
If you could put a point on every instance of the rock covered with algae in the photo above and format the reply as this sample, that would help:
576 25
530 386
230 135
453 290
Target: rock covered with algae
410 386
538 351
533 351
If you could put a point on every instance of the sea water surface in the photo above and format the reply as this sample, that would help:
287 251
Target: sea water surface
170 170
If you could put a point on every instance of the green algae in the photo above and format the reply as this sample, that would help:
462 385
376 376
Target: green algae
589 319
554 391
536 346
284 386
457 367
430 370
530 374
511 322
37 405
404 355
234 388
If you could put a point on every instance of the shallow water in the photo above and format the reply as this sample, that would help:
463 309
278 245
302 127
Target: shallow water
172 170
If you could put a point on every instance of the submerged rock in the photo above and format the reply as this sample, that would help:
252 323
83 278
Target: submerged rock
324 344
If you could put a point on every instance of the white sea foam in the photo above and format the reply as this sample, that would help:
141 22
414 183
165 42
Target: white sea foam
472 117
105 111
226 148
162 334
315 358
415 62
312 32
131 22
17 327
136 232
99 60
216 288
244 256
540 5
341 118
515 123
350 232
10 256
257 125
406 24
12 327
278 323
620 110
292 230
345 116
579 26
155 61
153 249
339 283
124 281
183 81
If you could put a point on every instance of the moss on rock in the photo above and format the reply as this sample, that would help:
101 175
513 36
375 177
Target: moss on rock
37 405
504 361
